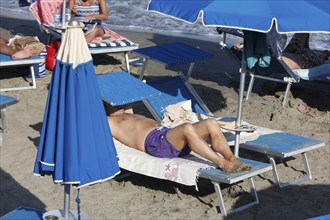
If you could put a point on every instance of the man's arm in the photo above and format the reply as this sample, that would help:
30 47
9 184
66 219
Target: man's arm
117 110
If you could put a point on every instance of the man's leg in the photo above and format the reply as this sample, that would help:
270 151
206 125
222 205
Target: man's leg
194 135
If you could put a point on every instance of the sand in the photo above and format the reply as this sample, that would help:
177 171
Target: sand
140 197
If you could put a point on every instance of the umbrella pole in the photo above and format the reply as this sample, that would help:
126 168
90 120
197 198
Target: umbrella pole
240 105
64 13
66 200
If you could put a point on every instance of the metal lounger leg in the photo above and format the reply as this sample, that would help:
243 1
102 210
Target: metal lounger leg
221 202
288 87
220 198
33 86
3 120
307 176
250 87
33 76
127 62
143 68
191 67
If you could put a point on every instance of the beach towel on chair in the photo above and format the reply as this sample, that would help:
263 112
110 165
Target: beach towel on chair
110 38
43 10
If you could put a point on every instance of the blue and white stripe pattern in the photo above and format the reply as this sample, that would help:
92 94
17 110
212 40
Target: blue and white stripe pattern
116 43
84 11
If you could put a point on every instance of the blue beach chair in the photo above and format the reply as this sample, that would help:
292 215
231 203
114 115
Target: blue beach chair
117 46
172 54
6 61
275 144
121 88
278 71
5 101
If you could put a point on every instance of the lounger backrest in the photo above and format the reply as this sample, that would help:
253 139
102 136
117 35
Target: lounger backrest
173 91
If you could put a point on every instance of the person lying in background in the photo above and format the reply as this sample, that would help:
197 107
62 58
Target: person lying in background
15 54
145 134
297 54
91 13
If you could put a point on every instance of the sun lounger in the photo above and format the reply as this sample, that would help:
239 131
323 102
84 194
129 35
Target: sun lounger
6 61
5 101
275 144
172 54
115 43
121 88
278 71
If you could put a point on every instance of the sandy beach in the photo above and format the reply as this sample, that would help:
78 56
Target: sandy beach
140 197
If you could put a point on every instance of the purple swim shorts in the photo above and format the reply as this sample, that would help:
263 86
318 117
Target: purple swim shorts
157 145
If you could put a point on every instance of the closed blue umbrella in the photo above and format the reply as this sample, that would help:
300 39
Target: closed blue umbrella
76 145
291 16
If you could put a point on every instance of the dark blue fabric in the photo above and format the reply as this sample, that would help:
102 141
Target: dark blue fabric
23 213
121 88
76 144
290 16
174 53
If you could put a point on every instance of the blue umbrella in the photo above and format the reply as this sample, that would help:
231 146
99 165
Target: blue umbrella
76 145
259 15
295 16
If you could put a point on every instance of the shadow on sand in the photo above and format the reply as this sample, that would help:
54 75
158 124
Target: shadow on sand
13 195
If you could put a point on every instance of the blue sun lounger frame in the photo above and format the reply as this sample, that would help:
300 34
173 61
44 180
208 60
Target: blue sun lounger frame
282 145
5 101
6 61
121 88
172 54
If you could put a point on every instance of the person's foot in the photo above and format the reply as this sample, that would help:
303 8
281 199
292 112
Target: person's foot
239 47
235 166
26 53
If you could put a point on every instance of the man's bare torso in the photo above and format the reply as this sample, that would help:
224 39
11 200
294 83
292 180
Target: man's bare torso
131 129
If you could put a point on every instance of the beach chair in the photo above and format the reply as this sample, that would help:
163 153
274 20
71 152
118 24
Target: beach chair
5 101
273 143
7 62
278 71
172 54
121 88
113 42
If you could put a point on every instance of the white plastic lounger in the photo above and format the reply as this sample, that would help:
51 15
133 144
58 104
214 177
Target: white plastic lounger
6 61
5 101
121 88
268 141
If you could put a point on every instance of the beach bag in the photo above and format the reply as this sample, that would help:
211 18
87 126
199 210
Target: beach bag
52 49
180 113
21 42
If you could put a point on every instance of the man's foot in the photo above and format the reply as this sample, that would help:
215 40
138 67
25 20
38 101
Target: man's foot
26 53
235 166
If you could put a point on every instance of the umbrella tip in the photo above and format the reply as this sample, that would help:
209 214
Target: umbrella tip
74 23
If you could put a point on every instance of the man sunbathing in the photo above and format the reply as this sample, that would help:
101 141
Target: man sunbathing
147 135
